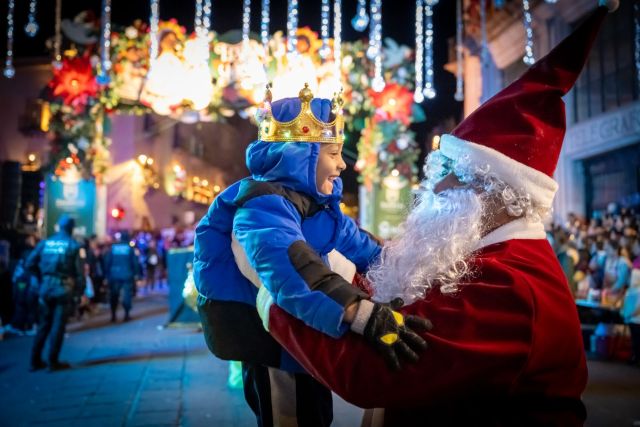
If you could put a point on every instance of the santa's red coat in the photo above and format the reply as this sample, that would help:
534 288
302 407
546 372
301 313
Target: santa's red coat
506 350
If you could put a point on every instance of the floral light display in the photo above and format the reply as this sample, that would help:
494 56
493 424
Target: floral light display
216 76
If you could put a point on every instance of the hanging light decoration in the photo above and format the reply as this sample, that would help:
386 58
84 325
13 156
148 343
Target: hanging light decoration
636 20
419 60
337 33
292 26
206 18
105 41
264 25
429 89
154 20
9 71
551 1
324 29
198 20
246 22
375 45
528 47
484 47
498 4
31 29
459 95
57 38
361 19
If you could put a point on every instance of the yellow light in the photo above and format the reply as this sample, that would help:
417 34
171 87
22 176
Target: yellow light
395 172
45 117
115 212
149 161
205 183
196 179
392 101
69 160
31 157
435 143
177 168
142 159
216 188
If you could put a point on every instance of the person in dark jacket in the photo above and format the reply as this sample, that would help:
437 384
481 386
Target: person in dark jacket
58 262
283 226
122 269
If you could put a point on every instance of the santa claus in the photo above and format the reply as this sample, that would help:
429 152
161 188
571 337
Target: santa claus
506 346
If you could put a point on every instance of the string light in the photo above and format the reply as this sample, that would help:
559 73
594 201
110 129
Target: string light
9 71
292 26
105 40
636 15
419 60
484 48
206 18
551 1
264 25
31 29
154 20
57 40
459 95
337 33
246 22
528 47
198 19
375 45
429 89
324 29
361 19
498 4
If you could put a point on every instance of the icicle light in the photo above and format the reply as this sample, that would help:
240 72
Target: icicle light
361 19
246 21
419 59
429 90
105 42
459 95
264 25
154 20
292 26
337 33
528 47
9 71
32 27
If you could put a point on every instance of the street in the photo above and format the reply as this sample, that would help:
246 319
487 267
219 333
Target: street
139 374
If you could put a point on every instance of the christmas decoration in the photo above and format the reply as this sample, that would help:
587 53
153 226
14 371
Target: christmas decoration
292 26
429 89
31 29
361 19
74 83
528 47
337 33
419 60
9 71
105 41
324 29
459 95
264 25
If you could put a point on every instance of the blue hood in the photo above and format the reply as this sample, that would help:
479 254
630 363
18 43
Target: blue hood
292 164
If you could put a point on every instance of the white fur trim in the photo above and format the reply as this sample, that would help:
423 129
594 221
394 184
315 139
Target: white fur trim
341 265
365 307
516 229
520 176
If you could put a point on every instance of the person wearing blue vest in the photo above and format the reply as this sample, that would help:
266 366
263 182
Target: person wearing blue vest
122 269
59 265
277 232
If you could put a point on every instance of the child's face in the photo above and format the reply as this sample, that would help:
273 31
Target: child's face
330 164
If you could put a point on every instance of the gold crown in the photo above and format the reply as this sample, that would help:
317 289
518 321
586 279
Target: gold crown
306 127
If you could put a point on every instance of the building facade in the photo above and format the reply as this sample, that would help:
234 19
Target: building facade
600 159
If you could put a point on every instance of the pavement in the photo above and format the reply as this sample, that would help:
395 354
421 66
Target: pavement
139 373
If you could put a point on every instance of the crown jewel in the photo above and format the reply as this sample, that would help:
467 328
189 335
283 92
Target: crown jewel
306 127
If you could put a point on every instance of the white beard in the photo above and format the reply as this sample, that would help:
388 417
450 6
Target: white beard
433 249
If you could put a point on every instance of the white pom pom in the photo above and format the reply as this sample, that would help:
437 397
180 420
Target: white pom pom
612 5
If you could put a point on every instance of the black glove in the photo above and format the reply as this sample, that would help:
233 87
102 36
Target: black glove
393 334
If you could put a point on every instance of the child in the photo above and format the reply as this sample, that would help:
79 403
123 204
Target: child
285 219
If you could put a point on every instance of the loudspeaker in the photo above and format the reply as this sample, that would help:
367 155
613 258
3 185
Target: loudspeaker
11 185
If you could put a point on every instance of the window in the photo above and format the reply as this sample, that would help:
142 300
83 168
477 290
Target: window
607 81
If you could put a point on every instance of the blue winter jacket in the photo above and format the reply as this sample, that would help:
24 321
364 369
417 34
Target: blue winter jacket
286 228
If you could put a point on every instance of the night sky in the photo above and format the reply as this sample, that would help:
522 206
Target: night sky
398 23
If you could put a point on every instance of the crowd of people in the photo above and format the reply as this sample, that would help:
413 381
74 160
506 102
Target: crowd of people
600 256
149 251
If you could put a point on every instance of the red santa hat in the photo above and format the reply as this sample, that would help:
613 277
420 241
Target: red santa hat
518 133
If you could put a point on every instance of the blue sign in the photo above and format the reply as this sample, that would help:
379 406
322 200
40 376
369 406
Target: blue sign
69 194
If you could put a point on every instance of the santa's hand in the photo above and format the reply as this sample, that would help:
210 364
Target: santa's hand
392 334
